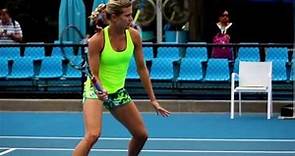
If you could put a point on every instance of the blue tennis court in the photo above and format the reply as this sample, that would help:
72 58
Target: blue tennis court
182 134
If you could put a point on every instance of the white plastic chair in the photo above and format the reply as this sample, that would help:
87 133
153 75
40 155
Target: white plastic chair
252 77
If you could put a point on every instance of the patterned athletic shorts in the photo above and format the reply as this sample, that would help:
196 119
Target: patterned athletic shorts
119 98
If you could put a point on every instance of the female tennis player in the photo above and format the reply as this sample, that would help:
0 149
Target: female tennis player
110 51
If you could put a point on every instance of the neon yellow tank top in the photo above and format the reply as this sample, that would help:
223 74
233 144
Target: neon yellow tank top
113 64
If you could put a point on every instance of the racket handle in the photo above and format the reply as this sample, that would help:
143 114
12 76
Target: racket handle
136 16
95 84
98 88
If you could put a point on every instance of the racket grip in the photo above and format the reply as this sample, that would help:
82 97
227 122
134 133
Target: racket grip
97 87
136 16
95 84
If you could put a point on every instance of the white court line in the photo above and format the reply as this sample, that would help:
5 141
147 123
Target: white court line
158 151
7 151
152 139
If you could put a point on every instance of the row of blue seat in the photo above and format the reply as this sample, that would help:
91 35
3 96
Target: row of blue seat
36 52
201 53
213 70
27 67
161 69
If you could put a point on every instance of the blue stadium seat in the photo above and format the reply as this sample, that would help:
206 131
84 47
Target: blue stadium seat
292 73
79 51
248 54
50 68
56 51
36 53
197 53
132 70
148 53
22 68
72 73
276 53
76 60
236 66
279 70
190 70
9 52
168 53
3 68
217 70
162 69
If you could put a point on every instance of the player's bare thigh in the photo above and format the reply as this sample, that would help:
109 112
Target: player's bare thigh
130 117
92 111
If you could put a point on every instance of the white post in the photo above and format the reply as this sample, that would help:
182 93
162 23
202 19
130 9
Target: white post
232 99
177 36
293 26
159 21
293 51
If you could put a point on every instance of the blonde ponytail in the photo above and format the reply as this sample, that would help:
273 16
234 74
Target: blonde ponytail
100 9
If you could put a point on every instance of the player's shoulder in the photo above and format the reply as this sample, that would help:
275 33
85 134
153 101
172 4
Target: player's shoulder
97 37
134 31
97 40
134 34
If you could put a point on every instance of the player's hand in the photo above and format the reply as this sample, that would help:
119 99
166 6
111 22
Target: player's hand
102 95
160 110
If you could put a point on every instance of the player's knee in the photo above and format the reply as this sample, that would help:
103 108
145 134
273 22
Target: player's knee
92 137
142 136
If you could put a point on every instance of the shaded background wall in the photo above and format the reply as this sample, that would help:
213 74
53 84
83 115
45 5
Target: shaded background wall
255 20
38 19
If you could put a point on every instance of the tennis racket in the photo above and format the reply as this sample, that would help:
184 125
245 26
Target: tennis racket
72 36
176 11
144 10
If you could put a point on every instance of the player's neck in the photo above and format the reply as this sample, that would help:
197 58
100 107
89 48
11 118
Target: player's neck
116 31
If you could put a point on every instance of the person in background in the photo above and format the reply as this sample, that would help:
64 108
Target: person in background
10 29
223 36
